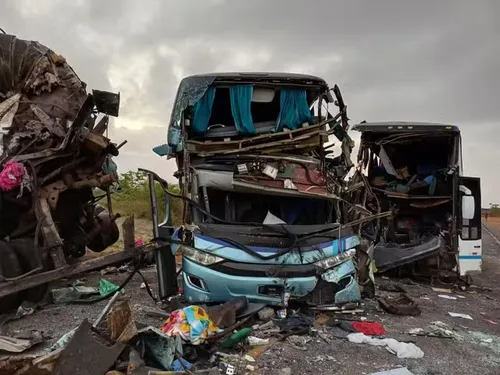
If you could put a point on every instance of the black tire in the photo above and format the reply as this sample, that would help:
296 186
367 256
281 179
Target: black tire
9 267
29 260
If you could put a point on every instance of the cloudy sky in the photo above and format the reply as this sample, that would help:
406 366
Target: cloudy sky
393 59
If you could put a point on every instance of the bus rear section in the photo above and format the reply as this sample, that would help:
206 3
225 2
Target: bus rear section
415 170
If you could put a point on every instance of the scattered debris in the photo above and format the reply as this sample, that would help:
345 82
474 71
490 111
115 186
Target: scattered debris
348 308
402 305
266 314
121 326
236 338
178 366
295 322
442 290
227 369
298 342
460 315
249 358
346 326
392 287
84 355
224 316
19 345
435 329
73 293
106 309
396 371
446 296
369 328
256 341
24 311
107 288
154 346
322 358
191 323
109 271
401 349
491 321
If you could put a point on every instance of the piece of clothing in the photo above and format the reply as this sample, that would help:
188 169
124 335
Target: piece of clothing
369 328
191 323
401 349
12 176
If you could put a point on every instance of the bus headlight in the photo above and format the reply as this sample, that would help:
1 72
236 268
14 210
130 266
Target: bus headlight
326 264
199 256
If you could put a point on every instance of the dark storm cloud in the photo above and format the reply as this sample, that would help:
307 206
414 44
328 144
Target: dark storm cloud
401 59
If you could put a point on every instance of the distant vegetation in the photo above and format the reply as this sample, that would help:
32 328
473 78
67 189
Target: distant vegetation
495 209
133 198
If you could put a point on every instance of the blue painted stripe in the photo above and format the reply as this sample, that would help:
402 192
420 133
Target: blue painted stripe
469 257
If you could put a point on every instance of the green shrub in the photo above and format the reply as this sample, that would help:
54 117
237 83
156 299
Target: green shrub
494 210
133 198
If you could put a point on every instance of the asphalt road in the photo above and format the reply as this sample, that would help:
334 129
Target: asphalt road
476 351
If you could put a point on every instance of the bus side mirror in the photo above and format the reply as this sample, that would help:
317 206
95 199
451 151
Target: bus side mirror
468 207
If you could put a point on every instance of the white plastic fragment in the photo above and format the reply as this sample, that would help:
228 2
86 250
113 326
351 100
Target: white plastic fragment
289 184
271 219
460 315
270 171
396 371
256 341
446 296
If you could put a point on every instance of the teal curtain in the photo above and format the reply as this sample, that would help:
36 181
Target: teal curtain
203 111
294 109
241 108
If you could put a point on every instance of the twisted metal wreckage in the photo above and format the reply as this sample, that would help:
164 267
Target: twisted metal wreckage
54 154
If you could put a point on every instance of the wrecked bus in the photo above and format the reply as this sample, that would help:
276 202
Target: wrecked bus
263 217
416 170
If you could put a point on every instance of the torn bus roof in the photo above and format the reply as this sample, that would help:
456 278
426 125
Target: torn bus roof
230 106
398 126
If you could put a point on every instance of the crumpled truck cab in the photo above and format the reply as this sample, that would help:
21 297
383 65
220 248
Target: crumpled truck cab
262 190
